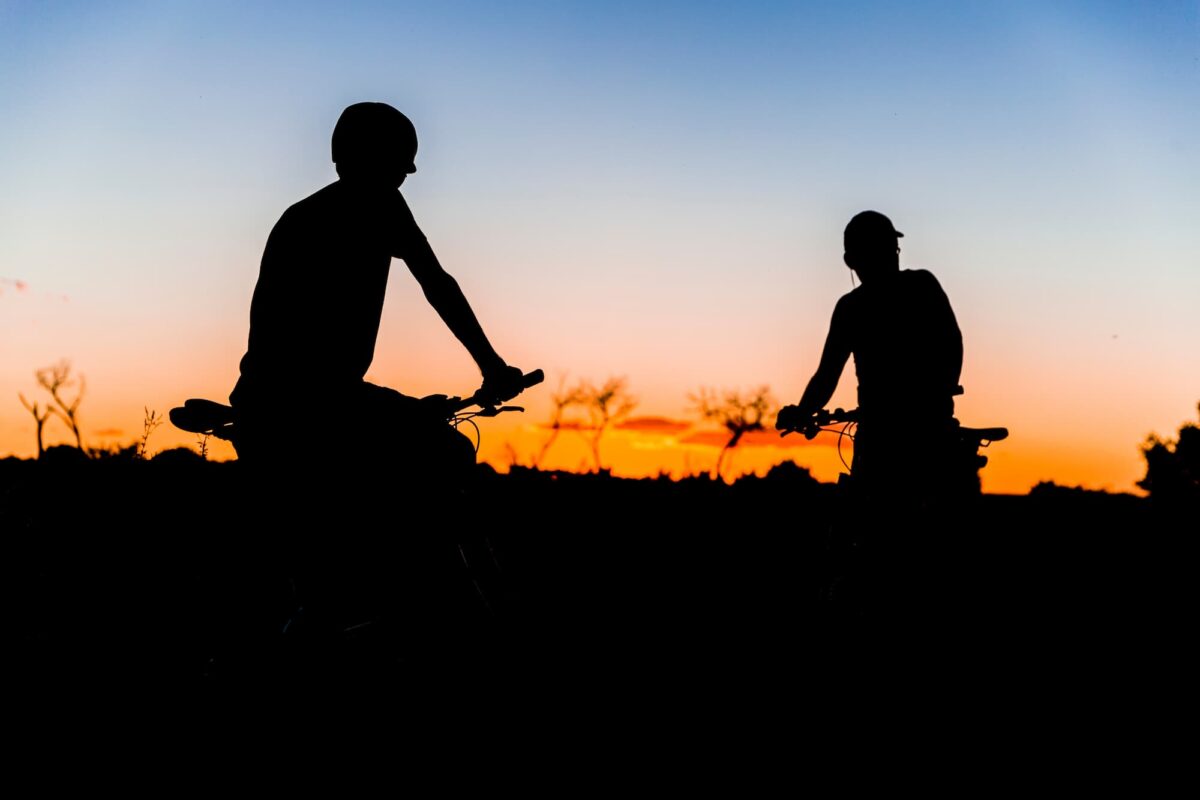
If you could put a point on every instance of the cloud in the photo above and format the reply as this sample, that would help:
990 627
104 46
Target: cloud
18 286
12 283
111 432
567 425
661 425
650 426
765 439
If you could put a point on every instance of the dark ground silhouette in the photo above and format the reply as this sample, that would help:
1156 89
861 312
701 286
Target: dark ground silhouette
129 577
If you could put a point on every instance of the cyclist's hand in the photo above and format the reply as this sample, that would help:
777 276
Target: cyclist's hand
789 419
503 383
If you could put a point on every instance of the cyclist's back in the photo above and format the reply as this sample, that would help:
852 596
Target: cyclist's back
906 346
907 352
317 306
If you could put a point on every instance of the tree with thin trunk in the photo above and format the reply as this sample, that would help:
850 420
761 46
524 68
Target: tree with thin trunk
606 406
738 413
54 380
40 415
561 400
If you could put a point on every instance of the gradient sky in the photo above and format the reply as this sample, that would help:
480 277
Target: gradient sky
655 190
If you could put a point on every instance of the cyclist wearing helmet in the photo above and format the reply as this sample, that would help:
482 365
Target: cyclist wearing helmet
907 351
315 314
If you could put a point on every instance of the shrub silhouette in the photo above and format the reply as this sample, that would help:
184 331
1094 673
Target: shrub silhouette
149 424
1173 466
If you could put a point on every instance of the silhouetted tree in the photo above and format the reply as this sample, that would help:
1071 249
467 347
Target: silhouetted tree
1173 466
561 400
738 413
54 380
40 415
606 405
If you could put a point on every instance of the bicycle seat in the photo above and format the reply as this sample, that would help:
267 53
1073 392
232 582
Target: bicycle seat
984 434
204 416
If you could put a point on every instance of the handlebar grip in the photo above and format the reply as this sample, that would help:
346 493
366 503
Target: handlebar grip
532 378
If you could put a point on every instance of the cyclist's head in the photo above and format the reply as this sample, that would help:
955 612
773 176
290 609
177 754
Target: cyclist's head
871 243
373 142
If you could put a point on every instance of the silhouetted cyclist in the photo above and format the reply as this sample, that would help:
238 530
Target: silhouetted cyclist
907 351
316 309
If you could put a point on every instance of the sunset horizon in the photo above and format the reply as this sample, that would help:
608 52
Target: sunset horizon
653 194
640 445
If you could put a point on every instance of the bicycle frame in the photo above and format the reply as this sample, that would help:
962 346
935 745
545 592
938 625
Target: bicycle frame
209 418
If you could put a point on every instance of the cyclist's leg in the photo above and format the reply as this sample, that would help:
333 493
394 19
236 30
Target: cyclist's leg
891 472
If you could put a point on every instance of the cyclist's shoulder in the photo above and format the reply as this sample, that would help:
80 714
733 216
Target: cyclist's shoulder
920 280
918 276
855 301
316 204
856 296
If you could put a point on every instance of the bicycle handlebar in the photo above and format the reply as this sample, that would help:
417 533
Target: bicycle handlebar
487 400
814 425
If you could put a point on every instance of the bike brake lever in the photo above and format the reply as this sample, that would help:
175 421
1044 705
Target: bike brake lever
492 411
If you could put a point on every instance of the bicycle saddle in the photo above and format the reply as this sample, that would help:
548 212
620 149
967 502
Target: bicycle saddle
204 416
984 434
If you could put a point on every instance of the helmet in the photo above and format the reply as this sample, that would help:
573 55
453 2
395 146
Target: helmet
373 134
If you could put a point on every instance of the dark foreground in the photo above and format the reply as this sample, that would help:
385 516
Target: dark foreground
165 583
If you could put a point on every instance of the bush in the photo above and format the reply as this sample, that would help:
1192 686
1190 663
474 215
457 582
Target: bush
1173 466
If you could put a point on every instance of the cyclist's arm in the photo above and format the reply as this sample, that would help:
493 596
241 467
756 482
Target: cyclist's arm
833 361
447 298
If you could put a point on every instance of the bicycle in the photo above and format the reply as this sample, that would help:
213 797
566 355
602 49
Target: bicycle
874 569
365 600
